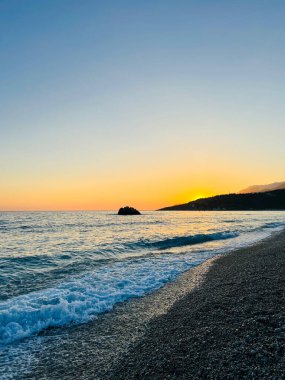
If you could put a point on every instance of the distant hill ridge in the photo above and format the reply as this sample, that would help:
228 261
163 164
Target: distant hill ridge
263 188
271 200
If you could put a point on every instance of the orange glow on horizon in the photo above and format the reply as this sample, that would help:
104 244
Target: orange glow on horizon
76 198
204 194
144 192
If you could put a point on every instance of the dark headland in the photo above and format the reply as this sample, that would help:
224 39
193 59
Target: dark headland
232 326
271 200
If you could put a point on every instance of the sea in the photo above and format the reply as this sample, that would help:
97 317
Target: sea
62 270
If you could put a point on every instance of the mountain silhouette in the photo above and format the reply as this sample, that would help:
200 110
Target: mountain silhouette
263 188
271 200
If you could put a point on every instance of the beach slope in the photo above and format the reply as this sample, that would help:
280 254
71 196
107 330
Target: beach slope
231 326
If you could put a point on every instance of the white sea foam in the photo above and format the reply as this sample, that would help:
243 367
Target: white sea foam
81 299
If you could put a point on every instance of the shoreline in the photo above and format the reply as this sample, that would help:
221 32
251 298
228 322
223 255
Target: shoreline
115 341
231 326
108 337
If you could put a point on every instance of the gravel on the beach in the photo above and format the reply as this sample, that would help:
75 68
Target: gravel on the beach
231 327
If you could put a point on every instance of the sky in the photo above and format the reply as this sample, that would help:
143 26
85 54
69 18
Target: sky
143 103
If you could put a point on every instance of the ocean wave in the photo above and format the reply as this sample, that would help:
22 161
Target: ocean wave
83 298
273 225
232 221
180 241
129 222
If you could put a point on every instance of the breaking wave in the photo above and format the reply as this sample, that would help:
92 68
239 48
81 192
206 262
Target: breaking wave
83 298
180 241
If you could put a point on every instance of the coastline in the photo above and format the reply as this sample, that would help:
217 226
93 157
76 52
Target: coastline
166 334
231 326
89 351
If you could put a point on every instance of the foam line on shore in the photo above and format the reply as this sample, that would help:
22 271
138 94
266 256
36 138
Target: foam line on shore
109 336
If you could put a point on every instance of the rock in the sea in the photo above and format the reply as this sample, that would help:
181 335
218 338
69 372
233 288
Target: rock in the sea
128 211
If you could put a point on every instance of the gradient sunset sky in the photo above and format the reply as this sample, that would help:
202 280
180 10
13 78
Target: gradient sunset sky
146 103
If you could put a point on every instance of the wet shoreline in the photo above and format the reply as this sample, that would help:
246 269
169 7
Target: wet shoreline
230 327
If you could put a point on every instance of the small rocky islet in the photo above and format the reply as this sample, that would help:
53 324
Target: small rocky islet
127 210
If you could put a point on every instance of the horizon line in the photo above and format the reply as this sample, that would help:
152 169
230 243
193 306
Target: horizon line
79 210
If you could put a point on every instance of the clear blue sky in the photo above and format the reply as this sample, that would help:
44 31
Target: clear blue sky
116 94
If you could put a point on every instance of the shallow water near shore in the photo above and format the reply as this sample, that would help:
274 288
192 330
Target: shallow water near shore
59 270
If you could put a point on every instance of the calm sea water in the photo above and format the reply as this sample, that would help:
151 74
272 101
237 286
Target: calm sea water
58 268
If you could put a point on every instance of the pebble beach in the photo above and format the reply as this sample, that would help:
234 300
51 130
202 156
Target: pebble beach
231 326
